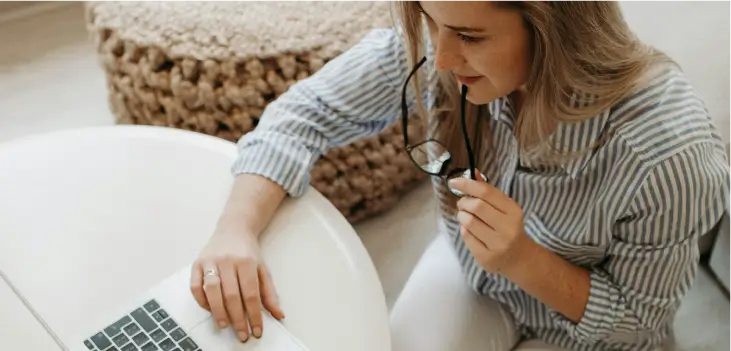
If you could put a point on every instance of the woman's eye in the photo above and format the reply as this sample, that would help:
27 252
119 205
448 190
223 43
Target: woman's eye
468 39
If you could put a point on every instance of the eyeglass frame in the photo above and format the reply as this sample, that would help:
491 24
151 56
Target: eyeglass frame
444 173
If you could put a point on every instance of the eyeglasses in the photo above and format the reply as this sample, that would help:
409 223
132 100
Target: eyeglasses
431 156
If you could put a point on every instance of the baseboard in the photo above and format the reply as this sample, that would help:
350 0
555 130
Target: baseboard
15 10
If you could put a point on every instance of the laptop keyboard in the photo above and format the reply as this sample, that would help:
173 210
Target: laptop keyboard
148 328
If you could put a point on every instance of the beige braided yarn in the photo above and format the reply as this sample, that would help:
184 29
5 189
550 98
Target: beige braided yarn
212 67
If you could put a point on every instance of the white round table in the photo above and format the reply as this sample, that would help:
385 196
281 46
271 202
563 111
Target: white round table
90 217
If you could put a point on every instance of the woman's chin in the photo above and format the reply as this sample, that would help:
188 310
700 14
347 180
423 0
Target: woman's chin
479 99
475 95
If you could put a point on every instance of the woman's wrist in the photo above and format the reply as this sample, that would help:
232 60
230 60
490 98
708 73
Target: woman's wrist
525 256
551 279
251 205
233 223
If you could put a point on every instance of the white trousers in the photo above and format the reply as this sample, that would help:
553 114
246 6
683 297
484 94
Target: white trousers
437 311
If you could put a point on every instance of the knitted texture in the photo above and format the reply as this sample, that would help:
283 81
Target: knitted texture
212 67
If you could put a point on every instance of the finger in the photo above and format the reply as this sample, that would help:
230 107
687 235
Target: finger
212 288
484 211
196 286
269 297
479 251
232 300
477 228
476 247
484 191
479 176
249 282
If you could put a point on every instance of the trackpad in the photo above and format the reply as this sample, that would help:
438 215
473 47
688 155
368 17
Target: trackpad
274 338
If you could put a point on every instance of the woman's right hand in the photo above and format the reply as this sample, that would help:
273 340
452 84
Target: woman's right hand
241 284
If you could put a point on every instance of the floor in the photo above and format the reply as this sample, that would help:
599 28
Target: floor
50 79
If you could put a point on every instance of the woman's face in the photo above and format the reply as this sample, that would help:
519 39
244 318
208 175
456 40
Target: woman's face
485 46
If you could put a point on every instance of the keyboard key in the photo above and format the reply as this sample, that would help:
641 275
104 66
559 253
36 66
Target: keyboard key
140 338
116 328
169 324
160 315
120 339
188 345
88 344
130 347
144 320
177 349
150 346
177 334
101 341
151 306
132 329
167 345
158 335
112 349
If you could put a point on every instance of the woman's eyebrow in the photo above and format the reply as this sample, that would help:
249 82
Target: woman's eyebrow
464 29
454 28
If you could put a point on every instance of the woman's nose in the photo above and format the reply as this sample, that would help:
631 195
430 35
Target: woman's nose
447 55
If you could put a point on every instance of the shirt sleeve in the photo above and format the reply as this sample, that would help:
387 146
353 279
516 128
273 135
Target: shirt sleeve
654 259
356 95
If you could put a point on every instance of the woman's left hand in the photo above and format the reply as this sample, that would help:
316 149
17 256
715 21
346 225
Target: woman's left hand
492 226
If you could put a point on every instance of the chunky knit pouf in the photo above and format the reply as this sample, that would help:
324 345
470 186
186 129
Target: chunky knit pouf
212 67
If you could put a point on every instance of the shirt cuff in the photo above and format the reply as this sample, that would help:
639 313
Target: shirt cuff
606 306
277 157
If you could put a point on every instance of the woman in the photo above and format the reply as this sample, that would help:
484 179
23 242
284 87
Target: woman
598 168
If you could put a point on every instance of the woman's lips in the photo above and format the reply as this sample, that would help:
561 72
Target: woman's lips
468 80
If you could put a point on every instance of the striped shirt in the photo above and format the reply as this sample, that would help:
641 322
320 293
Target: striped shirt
631 212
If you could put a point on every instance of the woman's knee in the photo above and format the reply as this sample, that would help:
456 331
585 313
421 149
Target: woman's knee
438 311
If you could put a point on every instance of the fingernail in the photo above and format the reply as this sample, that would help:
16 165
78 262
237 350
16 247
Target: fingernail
243 336
256 331
222 324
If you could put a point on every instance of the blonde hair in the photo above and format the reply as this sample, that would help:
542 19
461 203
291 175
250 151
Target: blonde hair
583 47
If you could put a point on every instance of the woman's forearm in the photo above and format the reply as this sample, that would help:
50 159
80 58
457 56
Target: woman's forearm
551 279
252 203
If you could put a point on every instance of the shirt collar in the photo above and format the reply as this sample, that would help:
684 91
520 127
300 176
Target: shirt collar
568 137
502 110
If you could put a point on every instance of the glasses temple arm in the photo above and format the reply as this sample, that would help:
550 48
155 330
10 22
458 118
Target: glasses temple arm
404 109
470 155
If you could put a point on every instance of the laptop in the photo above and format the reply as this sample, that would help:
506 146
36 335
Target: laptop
167 318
